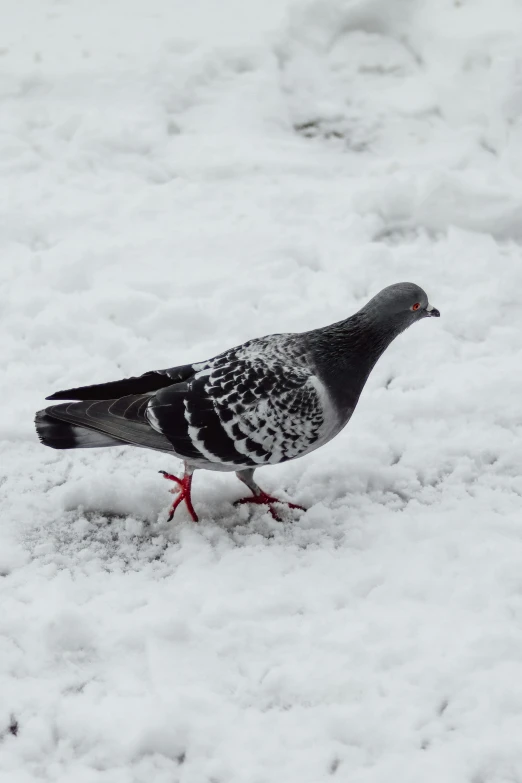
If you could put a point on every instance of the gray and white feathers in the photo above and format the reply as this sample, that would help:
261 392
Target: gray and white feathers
267 401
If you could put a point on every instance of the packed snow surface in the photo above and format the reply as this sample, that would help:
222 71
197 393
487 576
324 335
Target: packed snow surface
177 178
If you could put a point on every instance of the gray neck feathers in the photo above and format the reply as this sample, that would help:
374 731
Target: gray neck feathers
345 353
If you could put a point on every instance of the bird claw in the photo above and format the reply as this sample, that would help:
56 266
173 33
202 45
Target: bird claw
267 500
170 477
183 494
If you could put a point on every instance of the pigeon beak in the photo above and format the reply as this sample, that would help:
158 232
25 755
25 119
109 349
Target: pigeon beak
431 311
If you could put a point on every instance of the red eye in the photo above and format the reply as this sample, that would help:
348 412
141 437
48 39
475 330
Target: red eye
416 306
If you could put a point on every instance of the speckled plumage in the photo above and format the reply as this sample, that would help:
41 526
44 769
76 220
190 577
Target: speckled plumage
267 401
254 405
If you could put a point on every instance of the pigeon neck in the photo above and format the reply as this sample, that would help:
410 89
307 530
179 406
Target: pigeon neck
346 353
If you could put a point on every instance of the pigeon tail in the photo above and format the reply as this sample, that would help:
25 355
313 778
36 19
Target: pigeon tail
94 423
63 435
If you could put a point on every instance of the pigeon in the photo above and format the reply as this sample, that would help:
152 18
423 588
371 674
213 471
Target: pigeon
267 401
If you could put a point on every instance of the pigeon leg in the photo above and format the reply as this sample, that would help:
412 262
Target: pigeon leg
182 490
260 497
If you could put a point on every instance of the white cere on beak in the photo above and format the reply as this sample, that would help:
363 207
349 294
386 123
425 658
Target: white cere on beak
429 307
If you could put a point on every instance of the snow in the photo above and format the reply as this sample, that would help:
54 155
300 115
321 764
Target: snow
179 178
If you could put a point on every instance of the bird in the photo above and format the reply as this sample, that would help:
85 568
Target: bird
267 401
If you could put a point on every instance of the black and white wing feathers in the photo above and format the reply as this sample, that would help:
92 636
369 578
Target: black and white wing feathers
258 404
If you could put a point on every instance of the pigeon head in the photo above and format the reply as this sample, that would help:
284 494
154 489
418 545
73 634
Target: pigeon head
347 351
399 306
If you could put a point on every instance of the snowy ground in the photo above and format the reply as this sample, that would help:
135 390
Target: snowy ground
178 177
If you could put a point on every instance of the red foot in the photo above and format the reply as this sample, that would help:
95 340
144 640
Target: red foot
183 491
266 500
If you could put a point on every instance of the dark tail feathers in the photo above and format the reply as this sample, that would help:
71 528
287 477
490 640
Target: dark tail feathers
62 435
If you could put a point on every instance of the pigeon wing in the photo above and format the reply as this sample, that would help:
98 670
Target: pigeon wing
142 384
252 405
